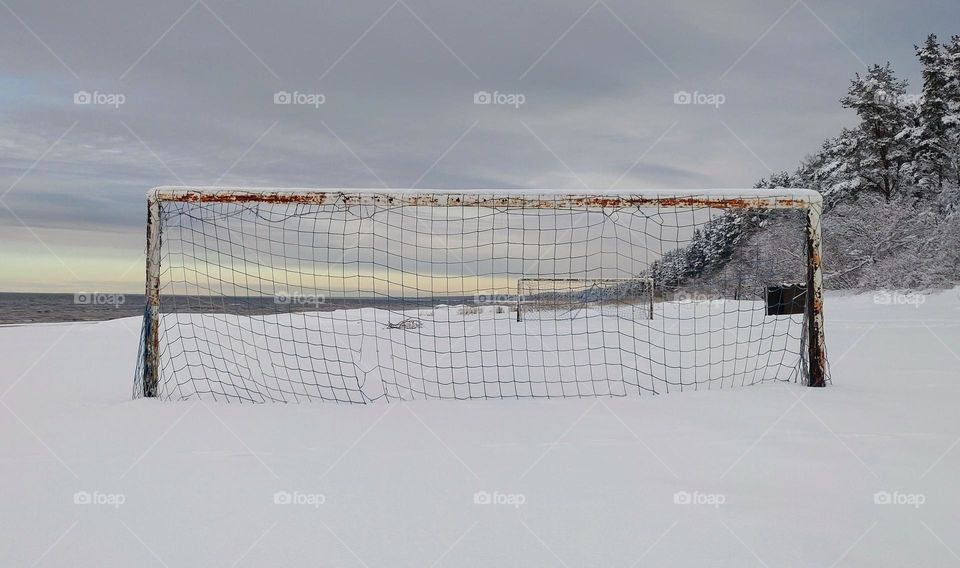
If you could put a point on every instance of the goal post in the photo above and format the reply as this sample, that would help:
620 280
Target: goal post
816 342
361 295
150 349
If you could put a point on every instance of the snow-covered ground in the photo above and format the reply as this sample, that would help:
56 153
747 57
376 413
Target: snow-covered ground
467 352
863 473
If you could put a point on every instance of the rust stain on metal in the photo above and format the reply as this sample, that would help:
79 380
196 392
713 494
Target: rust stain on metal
468 199
817 366
227 197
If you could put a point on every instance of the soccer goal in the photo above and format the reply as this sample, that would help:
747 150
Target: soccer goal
357 296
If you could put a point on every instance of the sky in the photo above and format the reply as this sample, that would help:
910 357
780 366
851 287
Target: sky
102 100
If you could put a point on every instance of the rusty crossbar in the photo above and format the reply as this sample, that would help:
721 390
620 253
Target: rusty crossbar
554 199
803 199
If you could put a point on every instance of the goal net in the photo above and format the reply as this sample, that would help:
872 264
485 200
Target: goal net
356 296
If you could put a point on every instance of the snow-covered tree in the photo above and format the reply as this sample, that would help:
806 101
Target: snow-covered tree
708 252
891 187
778 180
875 244
832 170
951 119
881 151
930 138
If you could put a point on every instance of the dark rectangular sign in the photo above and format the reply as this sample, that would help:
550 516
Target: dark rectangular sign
786 299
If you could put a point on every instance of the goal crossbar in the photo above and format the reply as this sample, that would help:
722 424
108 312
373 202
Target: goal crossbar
546 199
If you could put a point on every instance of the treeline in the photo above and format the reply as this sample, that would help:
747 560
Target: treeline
891 186
906 146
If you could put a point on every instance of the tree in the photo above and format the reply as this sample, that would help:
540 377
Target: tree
778 180
832 170
891 188
708 252
880 149
951 119
930 140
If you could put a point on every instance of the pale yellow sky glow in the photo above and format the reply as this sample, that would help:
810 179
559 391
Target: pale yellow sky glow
258 280
32 267
389 262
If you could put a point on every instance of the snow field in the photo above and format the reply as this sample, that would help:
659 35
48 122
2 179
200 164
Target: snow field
774 474
468 352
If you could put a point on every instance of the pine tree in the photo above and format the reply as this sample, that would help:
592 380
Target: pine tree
778 180
952 95
931 146
883 153
832 170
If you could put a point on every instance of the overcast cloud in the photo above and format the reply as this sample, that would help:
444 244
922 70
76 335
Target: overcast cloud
397 80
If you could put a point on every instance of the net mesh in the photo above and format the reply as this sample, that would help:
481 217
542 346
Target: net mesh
356 302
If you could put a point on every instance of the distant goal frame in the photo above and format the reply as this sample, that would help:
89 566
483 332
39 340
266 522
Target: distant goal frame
731 199
521 296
